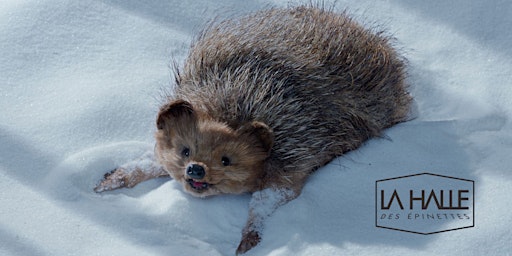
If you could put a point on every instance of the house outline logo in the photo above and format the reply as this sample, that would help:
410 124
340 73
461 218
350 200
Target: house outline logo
424 203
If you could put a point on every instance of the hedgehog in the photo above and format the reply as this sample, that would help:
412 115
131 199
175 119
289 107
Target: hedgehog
264 100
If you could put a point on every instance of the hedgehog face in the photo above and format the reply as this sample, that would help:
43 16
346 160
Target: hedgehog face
208 157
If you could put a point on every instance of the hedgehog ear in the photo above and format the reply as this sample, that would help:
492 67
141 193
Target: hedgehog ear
261 131
179 111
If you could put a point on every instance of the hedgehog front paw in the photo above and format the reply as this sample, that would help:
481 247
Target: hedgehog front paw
249 240
112 180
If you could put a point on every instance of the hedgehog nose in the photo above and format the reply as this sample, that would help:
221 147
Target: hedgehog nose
195 171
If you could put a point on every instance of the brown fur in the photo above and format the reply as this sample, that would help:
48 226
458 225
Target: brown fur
278 93
180 126
321 82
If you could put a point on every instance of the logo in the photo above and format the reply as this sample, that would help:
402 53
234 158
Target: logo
424 203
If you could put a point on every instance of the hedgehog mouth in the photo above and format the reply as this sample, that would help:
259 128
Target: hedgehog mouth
197 185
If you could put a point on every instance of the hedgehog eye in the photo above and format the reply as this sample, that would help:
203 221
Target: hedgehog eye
225 161
185 152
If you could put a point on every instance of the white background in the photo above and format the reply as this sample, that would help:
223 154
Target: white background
80 85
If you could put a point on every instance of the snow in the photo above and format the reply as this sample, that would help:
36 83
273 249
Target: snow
79 94
264 202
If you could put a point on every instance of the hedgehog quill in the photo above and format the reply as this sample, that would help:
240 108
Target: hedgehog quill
264 100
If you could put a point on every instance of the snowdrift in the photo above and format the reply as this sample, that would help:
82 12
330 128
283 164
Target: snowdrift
80 90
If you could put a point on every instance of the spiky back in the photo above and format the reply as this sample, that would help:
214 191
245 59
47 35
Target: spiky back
322 82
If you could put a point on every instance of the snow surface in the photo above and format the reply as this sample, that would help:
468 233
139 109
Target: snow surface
79 90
